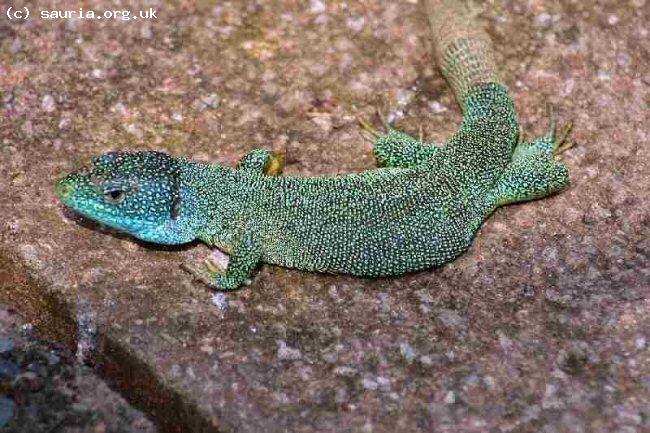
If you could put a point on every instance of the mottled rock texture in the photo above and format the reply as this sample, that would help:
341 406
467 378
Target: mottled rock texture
43 389
541 326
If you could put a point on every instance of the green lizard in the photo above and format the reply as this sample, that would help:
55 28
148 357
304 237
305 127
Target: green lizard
421 208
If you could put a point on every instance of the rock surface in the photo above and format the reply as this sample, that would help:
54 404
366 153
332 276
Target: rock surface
43 389
541 326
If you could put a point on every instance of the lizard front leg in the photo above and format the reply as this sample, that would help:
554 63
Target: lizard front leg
244 258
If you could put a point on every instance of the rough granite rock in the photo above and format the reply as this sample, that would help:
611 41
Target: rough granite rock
541 326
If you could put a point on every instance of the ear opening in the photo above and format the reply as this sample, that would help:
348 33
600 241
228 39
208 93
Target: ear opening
176 207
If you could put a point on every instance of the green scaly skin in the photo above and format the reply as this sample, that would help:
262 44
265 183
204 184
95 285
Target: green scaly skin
421 209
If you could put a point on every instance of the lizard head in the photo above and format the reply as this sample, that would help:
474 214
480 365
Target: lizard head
135 192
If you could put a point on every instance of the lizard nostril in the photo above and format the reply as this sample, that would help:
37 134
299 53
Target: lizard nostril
63 189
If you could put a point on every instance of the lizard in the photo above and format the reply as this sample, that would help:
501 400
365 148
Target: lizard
420 208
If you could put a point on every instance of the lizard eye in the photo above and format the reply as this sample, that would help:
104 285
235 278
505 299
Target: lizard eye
114 196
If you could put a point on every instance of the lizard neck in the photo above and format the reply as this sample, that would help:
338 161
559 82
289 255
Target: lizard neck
215 199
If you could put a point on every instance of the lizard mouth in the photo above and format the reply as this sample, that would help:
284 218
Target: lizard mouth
71 197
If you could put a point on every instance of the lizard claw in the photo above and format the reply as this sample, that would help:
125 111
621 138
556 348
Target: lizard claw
202 275
215 280
384 121
552 111
563 143
368 128
214 267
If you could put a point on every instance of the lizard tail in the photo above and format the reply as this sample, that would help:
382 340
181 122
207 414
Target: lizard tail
463 50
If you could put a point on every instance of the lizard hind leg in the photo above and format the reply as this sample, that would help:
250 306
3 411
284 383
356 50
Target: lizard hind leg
533 173
395 148
535 170
398 149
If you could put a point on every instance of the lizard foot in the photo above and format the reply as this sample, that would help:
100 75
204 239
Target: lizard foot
274 165
213 271
216 280
535 170
200 273
262 161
